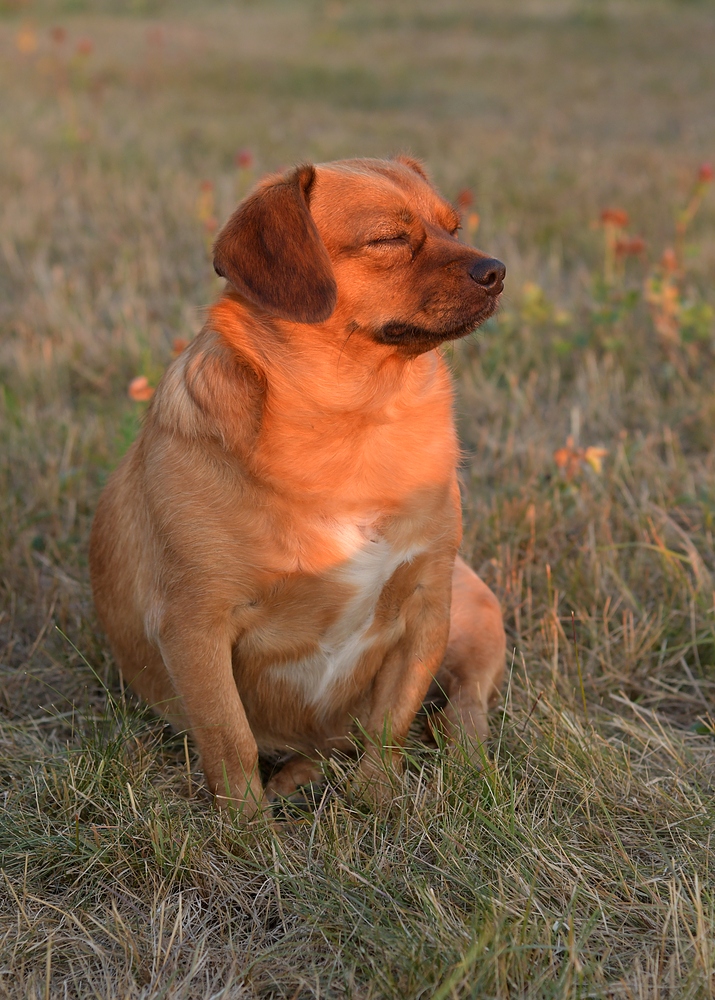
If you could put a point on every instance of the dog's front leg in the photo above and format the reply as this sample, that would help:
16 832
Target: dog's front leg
400 688
201 671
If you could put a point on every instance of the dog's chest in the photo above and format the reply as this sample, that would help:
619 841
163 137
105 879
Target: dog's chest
358 580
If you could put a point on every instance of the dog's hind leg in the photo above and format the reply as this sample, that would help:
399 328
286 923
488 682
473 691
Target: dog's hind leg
296 772
472 670
142 668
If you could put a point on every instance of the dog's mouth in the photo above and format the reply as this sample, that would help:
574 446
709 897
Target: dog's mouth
417 339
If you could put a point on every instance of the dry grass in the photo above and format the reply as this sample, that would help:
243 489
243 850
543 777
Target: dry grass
580 862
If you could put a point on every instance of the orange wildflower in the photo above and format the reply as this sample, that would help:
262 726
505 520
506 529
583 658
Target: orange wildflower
594 457
26 40
139 389
472 222
571 459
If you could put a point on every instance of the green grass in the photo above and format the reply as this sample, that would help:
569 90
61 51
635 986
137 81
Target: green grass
579 863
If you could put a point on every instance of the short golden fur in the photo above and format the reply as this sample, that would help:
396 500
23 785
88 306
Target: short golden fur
275 559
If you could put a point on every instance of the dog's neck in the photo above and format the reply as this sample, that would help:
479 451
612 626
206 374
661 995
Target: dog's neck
342 422
315 372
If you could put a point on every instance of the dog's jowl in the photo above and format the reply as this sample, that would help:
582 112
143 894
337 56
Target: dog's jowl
275 559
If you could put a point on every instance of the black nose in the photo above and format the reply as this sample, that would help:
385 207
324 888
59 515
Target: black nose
489 273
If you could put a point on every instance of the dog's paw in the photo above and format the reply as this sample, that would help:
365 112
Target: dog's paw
296 773
247 807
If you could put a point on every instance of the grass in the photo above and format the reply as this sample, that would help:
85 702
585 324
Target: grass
579 863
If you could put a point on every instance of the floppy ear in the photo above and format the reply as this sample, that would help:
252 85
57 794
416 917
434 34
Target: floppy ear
413 164
272 253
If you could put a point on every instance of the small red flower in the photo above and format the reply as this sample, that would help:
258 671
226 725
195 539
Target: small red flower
630 247
465 198
244 159
669 260
84 47
614 217
706 173
58 34
206 185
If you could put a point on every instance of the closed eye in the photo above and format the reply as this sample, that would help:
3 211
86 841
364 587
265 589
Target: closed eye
394 238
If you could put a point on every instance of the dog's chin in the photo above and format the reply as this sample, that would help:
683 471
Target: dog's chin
414 339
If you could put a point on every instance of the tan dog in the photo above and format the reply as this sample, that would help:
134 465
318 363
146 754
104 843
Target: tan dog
275 558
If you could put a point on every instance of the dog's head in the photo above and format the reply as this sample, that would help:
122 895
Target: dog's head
359 245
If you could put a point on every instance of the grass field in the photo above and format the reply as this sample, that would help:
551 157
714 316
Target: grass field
580 862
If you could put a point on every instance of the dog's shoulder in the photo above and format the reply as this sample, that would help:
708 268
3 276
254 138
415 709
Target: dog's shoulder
211 392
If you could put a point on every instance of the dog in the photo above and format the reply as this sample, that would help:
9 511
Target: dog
274 561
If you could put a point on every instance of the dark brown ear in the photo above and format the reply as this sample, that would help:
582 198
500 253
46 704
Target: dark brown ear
272 253
413 164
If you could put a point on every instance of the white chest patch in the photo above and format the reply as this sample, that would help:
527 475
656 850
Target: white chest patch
370 563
